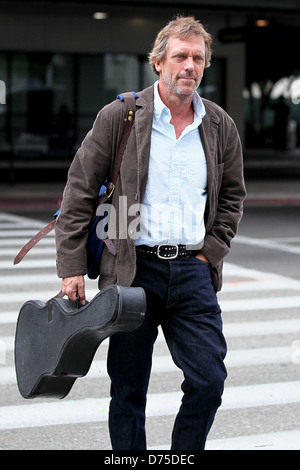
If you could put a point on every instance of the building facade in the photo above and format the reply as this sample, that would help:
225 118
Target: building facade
60 62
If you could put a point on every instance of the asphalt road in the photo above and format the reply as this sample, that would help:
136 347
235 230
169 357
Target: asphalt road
269 240
261 305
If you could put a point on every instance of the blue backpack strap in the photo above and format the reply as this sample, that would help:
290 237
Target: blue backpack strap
101 192
121 97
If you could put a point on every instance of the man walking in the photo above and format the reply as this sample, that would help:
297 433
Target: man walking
183 168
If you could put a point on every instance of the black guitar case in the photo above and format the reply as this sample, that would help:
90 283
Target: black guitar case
56 341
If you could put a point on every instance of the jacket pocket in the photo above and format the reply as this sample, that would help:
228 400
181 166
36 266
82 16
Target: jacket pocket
108 266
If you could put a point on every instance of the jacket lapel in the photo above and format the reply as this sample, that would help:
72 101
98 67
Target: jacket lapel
143 129
209 138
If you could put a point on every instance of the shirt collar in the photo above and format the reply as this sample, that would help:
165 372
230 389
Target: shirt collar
159 106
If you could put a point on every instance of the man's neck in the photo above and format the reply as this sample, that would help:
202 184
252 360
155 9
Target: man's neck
181 109
180 106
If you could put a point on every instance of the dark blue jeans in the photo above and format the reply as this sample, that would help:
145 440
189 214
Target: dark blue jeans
180 298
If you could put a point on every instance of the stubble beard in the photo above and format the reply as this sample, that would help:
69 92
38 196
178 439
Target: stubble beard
177 90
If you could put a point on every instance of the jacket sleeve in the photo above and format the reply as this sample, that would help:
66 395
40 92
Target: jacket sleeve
90 168
228 194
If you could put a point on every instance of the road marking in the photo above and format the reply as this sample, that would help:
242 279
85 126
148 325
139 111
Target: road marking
165 364
237 305
22 234
158 404
242 285
285 440
268 303
237 280
231 330
8 298
235 286
267 243
29 264
19 221
37 251
231 269
35 279
262 328
19 242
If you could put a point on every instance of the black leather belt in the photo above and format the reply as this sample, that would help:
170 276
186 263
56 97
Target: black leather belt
165 251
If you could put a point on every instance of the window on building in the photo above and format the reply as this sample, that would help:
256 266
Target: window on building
53 99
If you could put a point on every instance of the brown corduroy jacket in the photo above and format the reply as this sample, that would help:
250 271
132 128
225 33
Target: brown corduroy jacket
93 164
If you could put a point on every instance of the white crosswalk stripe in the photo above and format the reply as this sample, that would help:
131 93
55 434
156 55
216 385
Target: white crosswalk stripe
261 324
164 364
95 409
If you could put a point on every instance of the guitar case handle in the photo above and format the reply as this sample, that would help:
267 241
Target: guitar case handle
61 295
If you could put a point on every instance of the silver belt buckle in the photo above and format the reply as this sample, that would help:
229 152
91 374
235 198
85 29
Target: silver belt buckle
168 257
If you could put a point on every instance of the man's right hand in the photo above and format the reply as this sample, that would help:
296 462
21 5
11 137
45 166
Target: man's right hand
73 285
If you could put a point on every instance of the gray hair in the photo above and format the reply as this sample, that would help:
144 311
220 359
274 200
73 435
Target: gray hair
180 27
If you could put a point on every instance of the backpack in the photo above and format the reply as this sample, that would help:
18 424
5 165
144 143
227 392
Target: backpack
95 245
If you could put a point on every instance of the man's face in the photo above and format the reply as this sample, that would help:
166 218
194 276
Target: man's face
182 68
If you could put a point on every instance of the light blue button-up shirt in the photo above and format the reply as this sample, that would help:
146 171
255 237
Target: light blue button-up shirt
173 208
